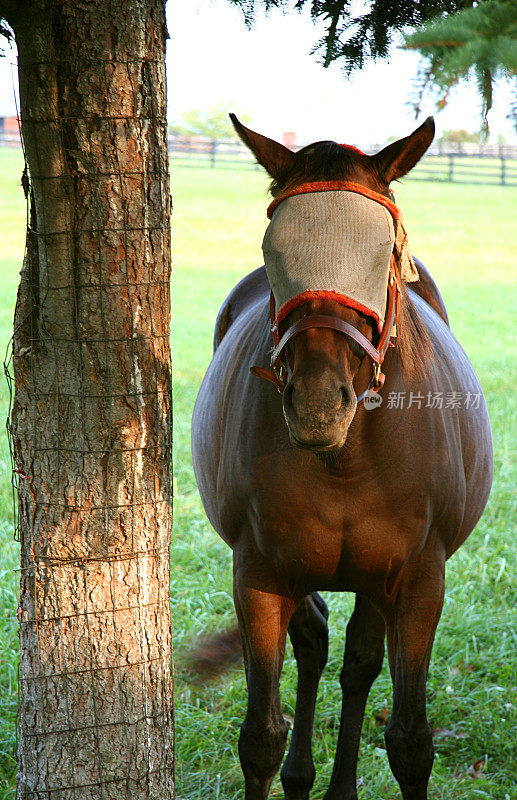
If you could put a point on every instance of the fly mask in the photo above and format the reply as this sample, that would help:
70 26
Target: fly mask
340 241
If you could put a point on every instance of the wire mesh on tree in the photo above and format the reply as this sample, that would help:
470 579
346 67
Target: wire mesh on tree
90 433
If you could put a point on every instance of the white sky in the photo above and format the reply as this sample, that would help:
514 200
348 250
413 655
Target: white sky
269 74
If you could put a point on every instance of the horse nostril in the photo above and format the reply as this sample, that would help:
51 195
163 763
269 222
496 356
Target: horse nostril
346 397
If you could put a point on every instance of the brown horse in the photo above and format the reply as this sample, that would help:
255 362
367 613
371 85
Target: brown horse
313 491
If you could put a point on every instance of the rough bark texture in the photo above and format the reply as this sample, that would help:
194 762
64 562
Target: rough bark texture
91 420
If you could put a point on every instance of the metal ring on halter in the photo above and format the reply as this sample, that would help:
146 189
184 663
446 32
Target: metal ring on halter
281 373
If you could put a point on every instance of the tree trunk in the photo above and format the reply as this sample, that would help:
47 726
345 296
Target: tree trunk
91 420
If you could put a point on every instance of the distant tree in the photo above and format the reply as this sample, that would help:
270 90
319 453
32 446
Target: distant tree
479 42
458 136
212 122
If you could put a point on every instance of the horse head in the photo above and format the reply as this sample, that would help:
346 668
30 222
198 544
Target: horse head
329 254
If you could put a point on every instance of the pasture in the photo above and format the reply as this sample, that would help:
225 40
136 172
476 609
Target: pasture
464 234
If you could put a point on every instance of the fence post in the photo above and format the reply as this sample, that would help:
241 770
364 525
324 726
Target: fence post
503 170
451 167
213 150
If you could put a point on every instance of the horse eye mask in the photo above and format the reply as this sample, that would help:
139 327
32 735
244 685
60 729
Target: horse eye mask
334 244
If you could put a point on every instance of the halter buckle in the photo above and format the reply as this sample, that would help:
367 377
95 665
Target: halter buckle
378 378
281 373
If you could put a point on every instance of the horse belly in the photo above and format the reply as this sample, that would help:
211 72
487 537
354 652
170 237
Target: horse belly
222 412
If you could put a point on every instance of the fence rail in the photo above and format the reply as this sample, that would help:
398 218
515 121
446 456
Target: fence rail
463 163
462 168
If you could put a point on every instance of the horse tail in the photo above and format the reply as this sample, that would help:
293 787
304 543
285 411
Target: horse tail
213 654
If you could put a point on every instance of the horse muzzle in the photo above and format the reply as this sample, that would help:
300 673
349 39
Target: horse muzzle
318 416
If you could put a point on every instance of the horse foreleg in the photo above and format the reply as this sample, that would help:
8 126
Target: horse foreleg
411 627
263 617
309 636
364 653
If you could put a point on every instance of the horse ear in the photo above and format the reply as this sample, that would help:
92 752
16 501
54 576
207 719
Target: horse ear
273 156
398 158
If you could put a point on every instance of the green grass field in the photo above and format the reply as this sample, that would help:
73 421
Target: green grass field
465 235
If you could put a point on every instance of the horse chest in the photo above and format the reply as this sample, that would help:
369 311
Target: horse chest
330 534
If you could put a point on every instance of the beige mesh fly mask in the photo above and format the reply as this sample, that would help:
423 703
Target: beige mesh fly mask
332 244
335 240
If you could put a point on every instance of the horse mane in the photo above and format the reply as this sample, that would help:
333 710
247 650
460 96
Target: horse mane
413 342
328 161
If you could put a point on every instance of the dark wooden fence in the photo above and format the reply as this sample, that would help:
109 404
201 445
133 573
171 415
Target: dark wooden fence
459 163
462 163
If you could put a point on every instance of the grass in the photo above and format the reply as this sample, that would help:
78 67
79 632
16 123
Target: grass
464 235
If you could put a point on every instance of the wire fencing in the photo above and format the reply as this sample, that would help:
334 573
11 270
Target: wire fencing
90 434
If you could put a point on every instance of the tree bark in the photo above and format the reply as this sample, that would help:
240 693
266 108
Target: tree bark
91 419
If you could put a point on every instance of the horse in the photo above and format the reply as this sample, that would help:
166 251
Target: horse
318 477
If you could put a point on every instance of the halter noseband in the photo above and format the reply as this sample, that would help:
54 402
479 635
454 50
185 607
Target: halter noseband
277 373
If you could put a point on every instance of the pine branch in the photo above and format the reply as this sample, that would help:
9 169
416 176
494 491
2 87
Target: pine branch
480 40
354 38
428 45
332 31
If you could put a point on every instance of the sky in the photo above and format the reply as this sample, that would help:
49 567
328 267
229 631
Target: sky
269 75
